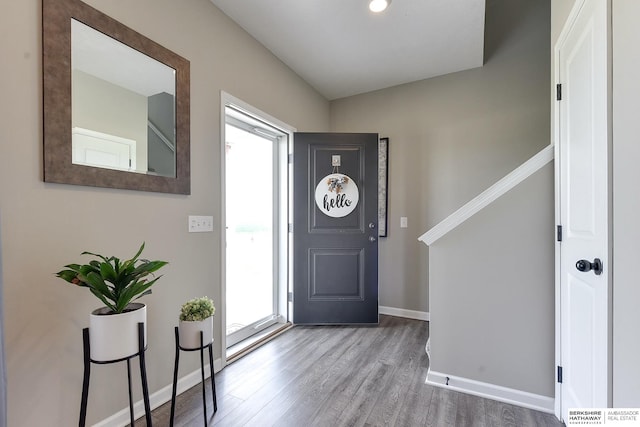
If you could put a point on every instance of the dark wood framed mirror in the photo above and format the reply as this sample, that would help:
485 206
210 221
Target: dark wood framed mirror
94 68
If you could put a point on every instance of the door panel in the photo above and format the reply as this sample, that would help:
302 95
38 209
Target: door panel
583 139
580 341
335 273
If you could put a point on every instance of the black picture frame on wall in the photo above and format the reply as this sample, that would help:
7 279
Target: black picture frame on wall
383 182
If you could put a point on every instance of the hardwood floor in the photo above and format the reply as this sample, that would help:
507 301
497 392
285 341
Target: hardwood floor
341 376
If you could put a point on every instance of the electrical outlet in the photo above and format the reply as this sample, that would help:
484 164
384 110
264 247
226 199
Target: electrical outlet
200 224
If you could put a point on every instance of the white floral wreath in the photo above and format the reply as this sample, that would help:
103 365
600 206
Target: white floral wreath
337 183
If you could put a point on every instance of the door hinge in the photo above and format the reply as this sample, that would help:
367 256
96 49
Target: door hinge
290 228
290 158
559 233
560 374
558 92
290 296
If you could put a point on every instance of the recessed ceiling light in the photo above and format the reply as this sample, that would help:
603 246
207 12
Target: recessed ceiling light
378 5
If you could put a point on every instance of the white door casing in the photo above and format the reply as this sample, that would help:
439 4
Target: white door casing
584 197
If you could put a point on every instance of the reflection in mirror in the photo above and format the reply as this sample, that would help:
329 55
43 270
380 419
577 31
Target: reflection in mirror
122 106
115 104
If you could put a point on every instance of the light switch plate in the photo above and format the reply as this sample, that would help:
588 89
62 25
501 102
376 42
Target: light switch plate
403 222
200 223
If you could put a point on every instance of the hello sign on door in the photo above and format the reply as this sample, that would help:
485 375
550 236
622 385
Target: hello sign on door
337 195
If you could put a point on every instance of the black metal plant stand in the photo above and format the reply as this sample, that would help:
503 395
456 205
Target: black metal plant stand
213 383
143 374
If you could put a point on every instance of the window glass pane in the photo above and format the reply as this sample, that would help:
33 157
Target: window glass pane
250 233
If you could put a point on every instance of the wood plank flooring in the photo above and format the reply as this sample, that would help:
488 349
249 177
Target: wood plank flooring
341 376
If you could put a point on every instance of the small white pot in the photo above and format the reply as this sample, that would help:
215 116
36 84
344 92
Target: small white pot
115 336
190 332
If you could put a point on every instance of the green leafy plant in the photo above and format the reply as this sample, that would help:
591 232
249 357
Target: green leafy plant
114 282
197 309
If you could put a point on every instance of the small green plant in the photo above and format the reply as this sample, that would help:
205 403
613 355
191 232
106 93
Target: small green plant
197 309
116 283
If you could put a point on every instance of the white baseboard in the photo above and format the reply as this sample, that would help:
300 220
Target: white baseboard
492 391
401 312
160 397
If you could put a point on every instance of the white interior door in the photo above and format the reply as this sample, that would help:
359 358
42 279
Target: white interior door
102 150
583 144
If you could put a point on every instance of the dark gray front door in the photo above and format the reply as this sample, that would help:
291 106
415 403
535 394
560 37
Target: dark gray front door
335 273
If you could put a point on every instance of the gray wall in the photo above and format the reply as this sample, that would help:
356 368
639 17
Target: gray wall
492 292
161 159
3 363
626 204
451 137
45 226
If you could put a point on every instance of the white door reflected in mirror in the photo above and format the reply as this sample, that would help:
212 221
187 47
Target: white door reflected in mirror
102 150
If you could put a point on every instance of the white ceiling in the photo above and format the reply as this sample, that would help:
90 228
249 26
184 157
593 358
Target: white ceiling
343 49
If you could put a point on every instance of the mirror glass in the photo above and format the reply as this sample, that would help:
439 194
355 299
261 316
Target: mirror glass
122 106
116 104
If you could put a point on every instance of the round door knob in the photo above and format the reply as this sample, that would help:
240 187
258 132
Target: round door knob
583 265
372 239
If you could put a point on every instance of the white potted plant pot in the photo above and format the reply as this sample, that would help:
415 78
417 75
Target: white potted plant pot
113 330
189 331
115 336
